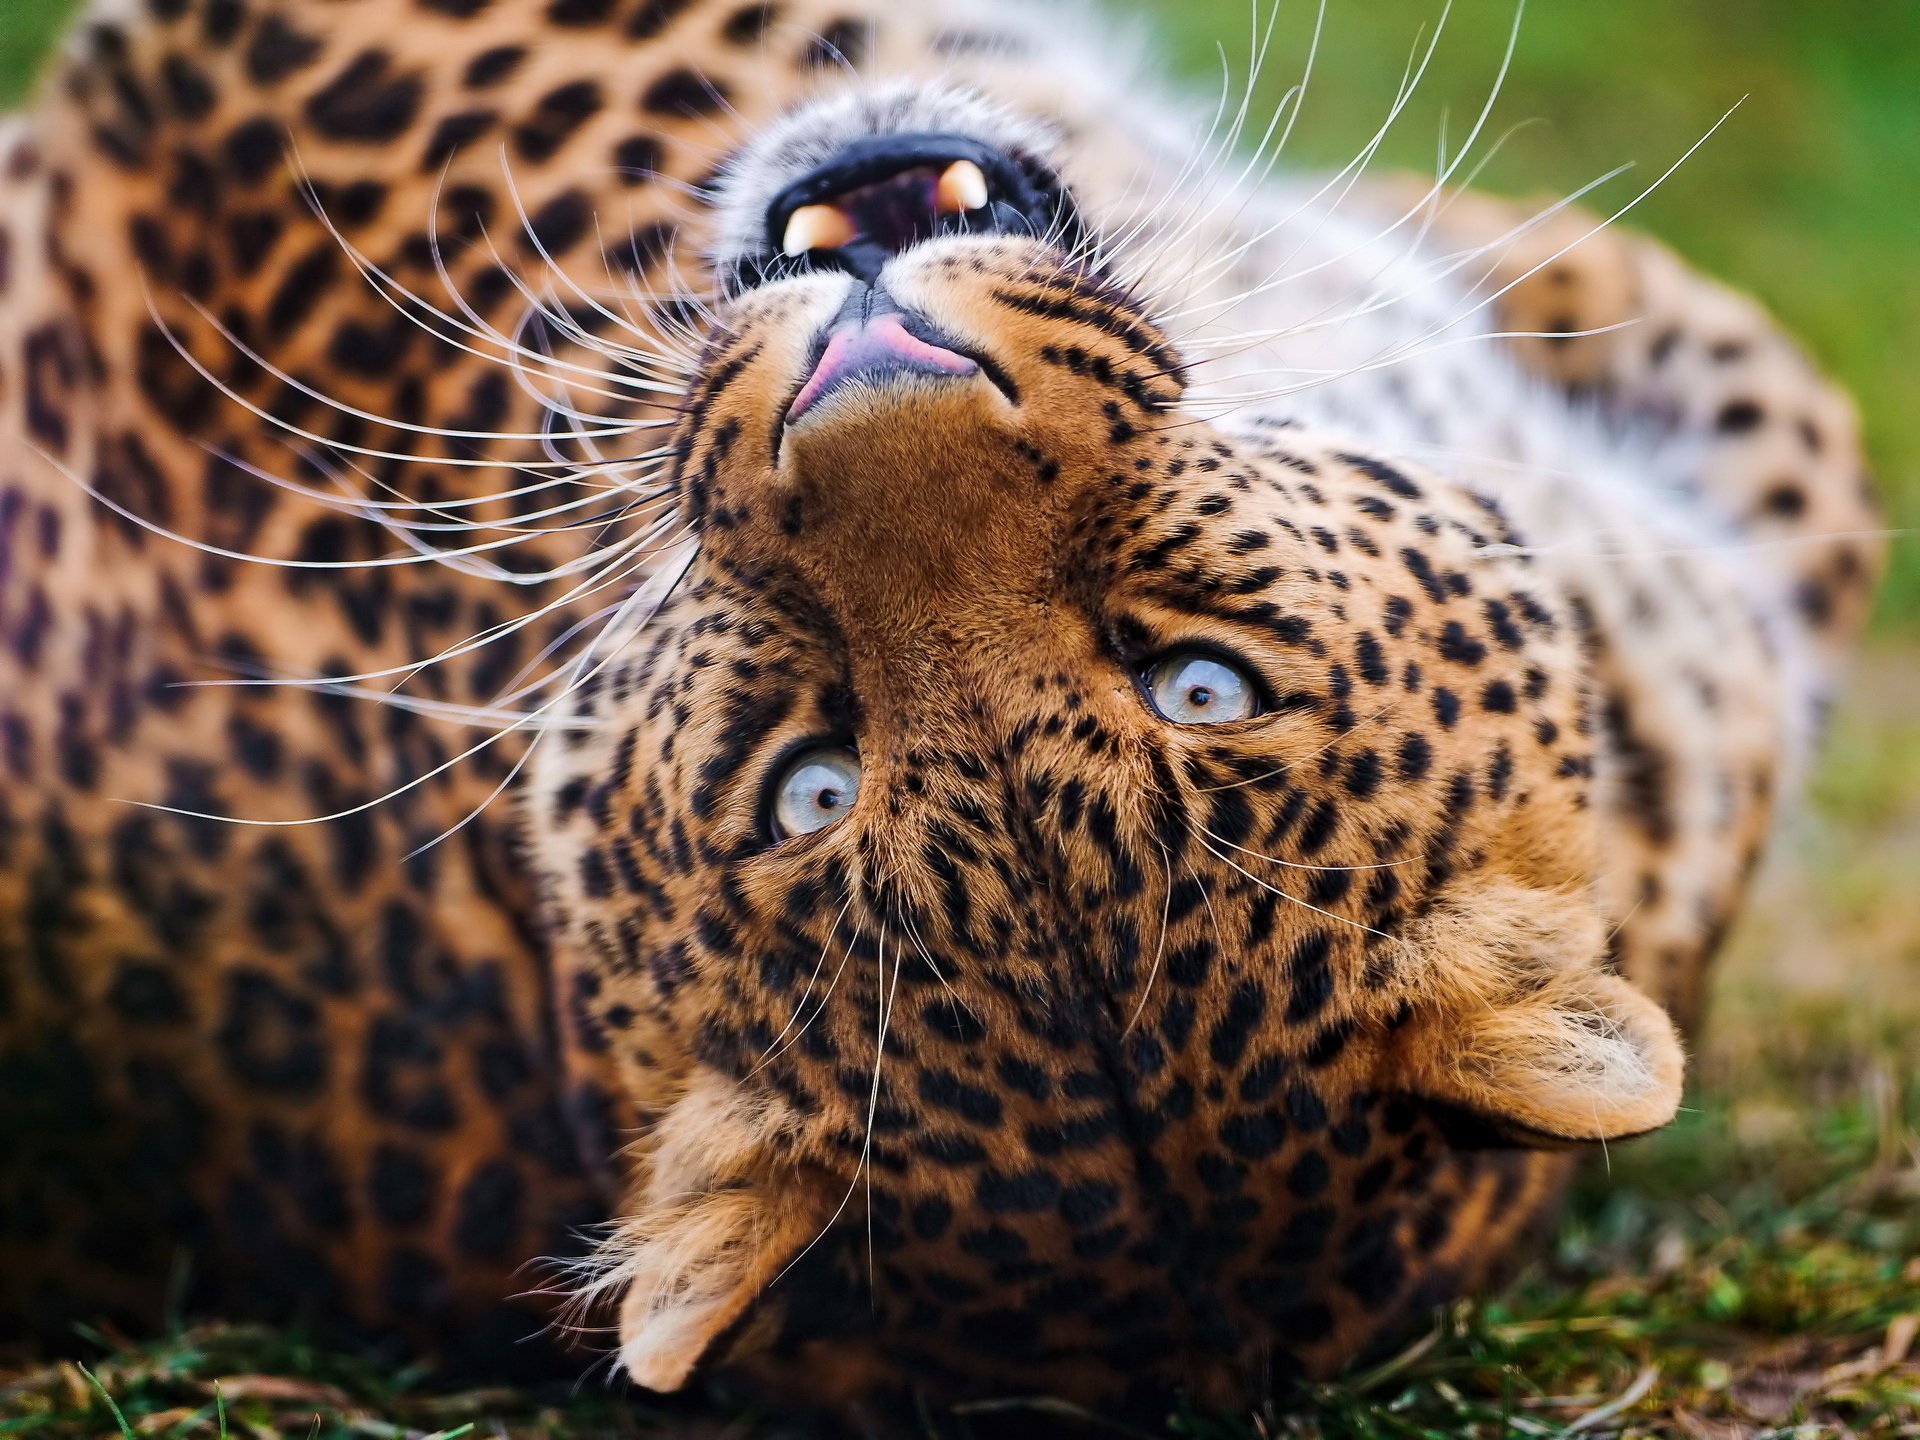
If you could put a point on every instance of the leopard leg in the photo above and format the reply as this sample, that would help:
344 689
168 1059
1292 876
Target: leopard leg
1740 417
1717 641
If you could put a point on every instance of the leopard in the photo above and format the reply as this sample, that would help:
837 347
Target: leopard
833 693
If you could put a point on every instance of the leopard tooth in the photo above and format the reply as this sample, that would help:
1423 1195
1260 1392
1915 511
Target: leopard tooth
963 187
816 227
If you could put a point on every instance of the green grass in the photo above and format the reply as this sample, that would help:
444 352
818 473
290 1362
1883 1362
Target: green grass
1750 1271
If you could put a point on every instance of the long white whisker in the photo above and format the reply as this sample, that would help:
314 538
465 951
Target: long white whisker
511 729
1294 899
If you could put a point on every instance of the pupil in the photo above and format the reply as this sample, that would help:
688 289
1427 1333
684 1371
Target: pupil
1199 697
828 799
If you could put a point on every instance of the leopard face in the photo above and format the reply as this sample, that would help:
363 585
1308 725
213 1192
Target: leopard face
1077 900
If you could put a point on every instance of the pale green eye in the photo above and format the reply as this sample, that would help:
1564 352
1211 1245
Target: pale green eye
1191 688
817 788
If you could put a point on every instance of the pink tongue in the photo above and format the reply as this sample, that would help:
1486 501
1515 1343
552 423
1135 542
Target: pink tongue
879 346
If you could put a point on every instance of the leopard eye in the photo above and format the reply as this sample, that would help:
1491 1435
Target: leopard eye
1194 688
816 788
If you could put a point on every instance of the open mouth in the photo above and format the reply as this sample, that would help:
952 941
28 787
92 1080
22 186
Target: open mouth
880 196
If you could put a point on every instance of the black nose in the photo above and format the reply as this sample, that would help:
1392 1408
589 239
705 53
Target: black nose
880 195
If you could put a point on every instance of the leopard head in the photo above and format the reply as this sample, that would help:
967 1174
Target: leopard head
1079 899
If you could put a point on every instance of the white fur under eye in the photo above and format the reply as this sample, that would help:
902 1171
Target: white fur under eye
1197 689
817 788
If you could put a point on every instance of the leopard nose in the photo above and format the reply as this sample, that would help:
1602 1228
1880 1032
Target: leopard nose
877 351
874 346
878 196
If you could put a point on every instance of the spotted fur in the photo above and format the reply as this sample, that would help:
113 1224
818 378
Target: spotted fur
1089 1054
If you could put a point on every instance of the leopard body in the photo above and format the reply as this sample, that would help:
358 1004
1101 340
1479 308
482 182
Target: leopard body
1085 1055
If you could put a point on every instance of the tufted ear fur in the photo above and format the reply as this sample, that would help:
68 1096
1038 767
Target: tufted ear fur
697 1285
718 1222
1516 1020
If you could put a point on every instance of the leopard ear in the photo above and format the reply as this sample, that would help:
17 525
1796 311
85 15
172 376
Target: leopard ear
697 1289
718 1220
1589 1060
1515 1021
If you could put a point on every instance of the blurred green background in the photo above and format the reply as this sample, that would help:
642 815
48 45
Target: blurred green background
1745 1272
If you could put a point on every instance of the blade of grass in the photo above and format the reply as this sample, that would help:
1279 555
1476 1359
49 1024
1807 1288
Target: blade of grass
126 1430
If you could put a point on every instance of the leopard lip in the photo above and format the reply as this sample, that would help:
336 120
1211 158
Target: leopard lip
879 196
884 210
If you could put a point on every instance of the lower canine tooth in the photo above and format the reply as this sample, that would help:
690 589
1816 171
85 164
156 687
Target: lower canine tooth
963 187
816 227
